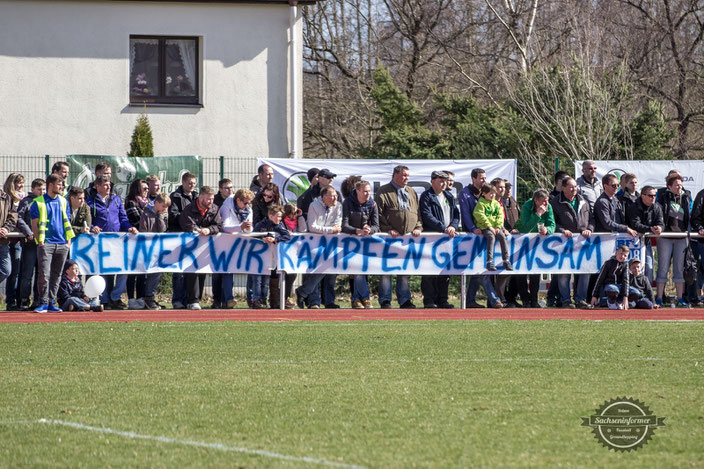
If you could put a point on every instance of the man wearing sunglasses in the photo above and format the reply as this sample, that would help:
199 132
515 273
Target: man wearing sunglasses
645 216
608 212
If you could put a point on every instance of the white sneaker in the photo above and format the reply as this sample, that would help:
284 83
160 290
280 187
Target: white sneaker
178 305
133 303
194 306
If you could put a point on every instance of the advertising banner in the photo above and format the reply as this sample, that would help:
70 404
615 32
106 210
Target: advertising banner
290 174
652 173
126 169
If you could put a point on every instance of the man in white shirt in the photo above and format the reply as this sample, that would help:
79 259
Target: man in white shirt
325 217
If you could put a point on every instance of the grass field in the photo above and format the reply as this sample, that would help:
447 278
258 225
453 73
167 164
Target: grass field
336 394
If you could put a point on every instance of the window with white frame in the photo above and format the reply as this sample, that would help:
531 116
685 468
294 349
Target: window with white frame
164 70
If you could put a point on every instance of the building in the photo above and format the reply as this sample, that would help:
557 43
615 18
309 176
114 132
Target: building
215 78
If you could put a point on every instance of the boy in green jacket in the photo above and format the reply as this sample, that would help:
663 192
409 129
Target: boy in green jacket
489 217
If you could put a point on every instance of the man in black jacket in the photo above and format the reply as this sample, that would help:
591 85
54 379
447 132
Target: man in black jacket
645 216
439 214
573 215
183 196
608 210
201 217
325 178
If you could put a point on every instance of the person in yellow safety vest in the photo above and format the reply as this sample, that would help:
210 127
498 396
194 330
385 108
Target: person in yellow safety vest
51 226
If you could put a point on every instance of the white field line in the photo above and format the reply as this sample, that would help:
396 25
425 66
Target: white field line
199 444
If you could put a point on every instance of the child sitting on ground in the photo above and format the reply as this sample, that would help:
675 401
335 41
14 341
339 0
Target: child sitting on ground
154 220
274 225
71 295
489 217
611 288
640 292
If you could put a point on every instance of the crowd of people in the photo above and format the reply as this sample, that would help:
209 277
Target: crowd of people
50 214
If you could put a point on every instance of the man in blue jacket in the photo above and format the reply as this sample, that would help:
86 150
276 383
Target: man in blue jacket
439 214
468 198
109 216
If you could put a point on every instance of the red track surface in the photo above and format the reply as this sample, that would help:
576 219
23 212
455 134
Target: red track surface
667 314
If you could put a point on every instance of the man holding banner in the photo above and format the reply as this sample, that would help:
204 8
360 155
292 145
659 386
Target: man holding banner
439 214
398 215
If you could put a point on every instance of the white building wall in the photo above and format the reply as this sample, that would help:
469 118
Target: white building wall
64 72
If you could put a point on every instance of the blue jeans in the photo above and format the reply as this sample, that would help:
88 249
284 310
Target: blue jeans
648 270
361 288
580 291
117 290
12 286
476 281
78 303
228 281
5 262
260 287
311 283
403 291
179 293
151 284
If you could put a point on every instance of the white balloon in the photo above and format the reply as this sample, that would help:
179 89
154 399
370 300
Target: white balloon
94 286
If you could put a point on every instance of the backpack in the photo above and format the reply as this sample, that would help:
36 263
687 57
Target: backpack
690 264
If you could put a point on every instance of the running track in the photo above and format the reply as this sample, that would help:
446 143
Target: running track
666 314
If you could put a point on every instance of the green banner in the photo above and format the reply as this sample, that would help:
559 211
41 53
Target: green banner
127 169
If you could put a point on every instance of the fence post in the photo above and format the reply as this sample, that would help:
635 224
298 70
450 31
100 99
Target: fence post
47 165
222 167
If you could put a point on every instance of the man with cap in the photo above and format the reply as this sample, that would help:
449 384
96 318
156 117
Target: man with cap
312 175
439 214
325 178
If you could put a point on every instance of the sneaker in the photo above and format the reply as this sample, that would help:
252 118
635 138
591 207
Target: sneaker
97 309
260 304
430 306
490 266
231 304
216 305
357 304
178 305
52 308
149 303
133 303
42 308
332 306
141 302
508 265
290 304
615 305
475 305
300 300
681 303
446 305
498 305
568 306
407 305
119 304
314 307
387 305
194 306
581 304
367 304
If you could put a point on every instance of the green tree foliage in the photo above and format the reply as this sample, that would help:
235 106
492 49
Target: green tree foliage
556 112
142 144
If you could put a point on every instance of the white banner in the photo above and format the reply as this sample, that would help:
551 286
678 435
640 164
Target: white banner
652 173
290 174
122 253
435 254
